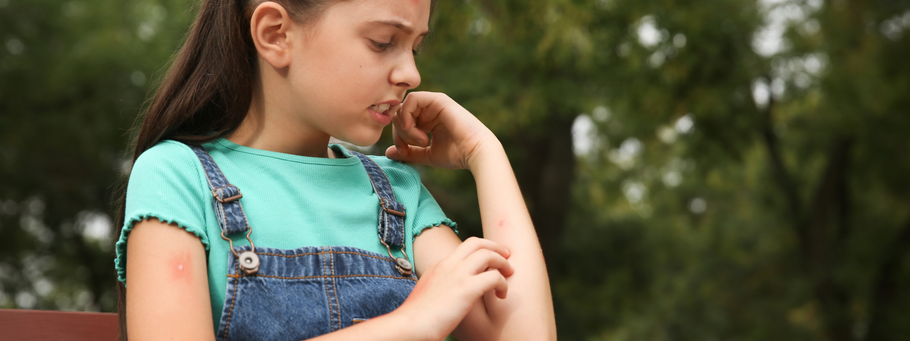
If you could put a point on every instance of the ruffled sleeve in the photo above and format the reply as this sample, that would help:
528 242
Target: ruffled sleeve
166 183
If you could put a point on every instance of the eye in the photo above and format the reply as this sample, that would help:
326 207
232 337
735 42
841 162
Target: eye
381 46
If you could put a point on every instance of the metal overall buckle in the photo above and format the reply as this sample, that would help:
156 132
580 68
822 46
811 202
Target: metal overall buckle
249 261
403 266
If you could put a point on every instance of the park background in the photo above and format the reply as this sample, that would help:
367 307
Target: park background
696 170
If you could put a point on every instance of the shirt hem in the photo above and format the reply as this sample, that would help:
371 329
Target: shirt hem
448 222
120 260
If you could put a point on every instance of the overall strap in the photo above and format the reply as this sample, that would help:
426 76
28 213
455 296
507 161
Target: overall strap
391 214
225 196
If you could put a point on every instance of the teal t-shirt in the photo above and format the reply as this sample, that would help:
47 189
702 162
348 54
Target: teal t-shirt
290 201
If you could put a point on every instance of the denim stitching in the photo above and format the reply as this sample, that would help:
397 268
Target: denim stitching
206 159
335 291
383 175
216 166
327 298
382 212
390 232
324 252
325 277
385 215
231 309
222 217
383 188
204 218
207 178
372 183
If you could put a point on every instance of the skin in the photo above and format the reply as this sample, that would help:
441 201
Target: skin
317 80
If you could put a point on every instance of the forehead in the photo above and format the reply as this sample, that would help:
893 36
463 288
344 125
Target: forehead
413 13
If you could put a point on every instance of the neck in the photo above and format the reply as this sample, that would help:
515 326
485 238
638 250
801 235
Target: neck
269 126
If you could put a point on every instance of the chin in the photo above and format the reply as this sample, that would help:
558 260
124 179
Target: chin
360 141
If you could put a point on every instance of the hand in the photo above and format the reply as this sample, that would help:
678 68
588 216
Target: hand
457 134
449 288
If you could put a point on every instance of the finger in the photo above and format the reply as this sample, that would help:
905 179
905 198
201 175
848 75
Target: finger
413 136
493 280
411 107
401 146
484 260
394 153
473 244
409 132
414 154
420 108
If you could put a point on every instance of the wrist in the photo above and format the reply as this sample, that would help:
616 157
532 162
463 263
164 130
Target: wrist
485 152
421 329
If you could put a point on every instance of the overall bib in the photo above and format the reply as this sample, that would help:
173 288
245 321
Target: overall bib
277 294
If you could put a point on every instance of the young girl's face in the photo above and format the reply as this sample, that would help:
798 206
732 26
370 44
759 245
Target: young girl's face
357 62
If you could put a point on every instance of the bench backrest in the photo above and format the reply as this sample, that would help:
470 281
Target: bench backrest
39 325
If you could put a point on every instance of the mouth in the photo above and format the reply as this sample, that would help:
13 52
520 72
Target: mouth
380 108
380 113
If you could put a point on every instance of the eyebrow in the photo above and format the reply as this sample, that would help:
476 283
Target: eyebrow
397 24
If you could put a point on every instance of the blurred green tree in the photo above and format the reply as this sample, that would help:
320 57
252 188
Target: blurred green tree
719 169
733 172
73 75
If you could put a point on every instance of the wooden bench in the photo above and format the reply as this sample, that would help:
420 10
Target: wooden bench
39 325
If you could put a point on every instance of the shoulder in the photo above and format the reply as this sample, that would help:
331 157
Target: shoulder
400 174
165 154
168 163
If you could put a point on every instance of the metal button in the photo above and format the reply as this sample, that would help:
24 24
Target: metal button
249 262
403 266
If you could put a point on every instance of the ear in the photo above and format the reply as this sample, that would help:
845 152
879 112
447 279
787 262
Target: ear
269 26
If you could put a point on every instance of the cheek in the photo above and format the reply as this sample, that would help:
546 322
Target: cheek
346 77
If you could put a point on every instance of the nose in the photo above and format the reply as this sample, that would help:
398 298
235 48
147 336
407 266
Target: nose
405 73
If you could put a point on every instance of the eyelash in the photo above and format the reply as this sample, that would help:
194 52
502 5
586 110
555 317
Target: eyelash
384 46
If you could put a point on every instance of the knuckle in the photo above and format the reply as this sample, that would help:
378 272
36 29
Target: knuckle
443 265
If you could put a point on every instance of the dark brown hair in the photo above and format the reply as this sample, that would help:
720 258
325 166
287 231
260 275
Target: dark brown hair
206 92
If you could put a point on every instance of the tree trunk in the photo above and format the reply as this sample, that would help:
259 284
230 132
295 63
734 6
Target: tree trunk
820 231
885 288
828 227
546 171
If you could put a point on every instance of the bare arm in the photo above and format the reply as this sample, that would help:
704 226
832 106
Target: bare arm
528 311
168 294
167 284
461 141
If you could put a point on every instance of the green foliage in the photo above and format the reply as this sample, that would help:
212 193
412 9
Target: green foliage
782 214
716 189
74 75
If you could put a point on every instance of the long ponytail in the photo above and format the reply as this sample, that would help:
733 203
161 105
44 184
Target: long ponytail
206 93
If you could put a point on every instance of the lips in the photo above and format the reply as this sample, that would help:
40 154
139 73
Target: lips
380 113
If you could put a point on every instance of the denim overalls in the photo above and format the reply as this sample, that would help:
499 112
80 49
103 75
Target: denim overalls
276 294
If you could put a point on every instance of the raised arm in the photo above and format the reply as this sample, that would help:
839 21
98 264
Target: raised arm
461 141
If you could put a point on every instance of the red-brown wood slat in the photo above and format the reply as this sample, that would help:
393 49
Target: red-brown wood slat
39 325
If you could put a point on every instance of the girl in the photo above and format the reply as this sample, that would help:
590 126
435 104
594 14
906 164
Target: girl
239 222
